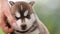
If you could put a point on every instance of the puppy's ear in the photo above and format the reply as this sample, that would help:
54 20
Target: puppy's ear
11 3
32 3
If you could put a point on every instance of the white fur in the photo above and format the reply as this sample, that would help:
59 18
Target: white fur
31 21
28 22
26 13
34 32
17 14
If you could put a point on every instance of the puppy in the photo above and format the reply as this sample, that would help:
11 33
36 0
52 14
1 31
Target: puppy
27 21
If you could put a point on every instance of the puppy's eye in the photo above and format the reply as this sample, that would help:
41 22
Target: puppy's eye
17 18
28 16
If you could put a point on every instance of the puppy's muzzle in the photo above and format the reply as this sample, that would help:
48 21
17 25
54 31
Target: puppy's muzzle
23 26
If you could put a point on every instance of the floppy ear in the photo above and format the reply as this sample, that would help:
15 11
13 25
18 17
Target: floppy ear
11 3
32 3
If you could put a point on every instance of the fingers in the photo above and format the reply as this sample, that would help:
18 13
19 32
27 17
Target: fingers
7 30
6 10
2 23
14 25
10 29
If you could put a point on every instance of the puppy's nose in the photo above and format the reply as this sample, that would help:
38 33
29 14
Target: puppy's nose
23 26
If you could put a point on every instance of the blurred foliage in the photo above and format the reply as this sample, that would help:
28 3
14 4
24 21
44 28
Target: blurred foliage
1 32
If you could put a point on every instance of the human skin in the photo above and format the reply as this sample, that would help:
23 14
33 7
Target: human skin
5 12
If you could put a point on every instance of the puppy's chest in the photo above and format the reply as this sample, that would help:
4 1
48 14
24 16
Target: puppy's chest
34 32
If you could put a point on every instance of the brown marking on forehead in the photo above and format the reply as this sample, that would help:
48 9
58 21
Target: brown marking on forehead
25 6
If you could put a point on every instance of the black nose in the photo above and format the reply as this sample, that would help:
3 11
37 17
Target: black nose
23 27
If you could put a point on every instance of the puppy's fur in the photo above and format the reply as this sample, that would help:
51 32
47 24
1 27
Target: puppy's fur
27 21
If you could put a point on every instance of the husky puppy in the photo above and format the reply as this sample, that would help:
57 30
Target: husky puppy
27 21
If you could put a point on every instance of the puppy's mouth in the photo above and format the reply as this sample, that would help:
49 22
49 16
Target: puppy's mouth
24 30
31 29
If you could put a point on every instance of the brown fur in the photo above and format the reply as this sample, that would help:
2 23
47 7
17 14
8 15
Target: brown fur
26 6
17 7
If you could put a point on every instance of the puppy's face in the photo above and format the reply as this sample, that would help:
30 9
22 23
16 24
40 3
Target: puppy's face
24 15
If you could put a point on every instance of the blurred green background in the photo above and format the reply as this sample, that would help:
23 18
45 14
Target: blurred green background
48 12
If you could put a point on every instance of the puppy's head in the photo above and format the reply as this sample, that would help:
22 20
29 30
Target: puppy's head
23 13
